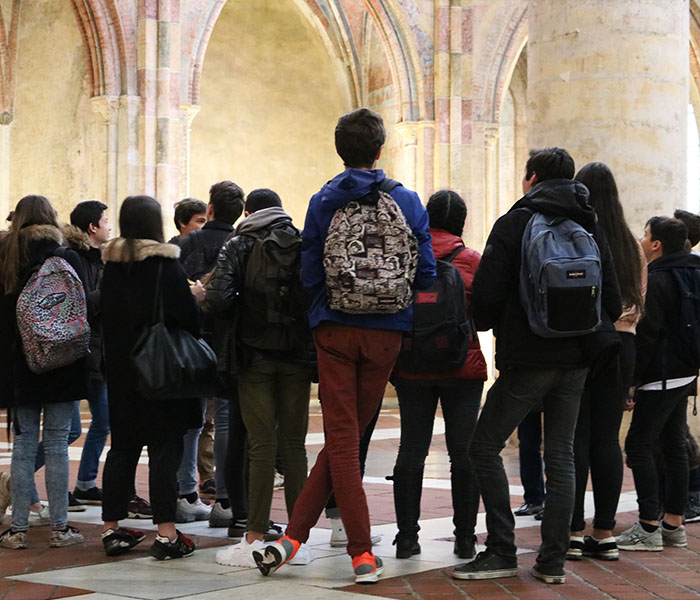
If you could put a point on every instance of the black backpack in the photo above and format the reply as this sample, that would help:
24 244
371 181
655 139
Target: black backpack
442 328
688 281
273 312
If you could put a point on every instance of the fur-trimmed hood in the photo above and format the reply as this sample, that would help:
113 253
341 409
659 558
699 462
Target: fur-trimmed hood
75 237
117 250
34 233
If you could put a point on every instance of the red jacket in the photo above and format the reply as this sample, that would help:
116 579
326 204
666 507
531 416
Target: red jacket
474 367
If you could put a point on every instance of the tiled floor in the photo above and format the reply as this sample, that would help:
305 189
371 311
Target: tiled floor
41 573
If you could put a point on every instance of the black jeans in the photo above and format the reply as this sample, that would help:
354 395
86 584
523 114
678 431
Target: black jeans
460 402
516 392
659 415
120 469
597 439
531 471
236 464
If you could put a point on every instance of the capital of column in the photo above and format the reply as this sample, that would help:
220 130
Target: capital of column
491 134
6 117
105 106
188 112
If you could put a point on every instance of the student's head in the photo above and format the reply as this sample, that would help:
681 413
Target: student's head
30 210
141 218
662 236
359 137
447 210
225 202
261 198
692 222
190 215
90 216
547 163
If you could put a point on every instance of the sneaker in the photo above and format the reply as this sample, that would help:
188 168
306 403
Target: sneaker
65 537
691 513
220 516
139 508
302 557
273 533
406 545
187 511
241 554
120 540
465 547
675 538
273 556
367 568
37 519
539 515
74 505
575 551
238 528
528 509
5 494
339 538
601 549
207 489
279 481
487 566
635 538
16 540
548 574
91 496
164 549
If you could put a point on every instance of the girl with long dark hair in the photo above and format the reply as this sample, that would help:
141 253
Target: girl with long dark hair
596 444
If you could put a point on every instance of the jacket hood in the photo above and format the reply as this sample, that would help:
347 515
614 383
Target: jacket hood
444 242
34 233
350 185
76 238
560 198
261 219
117 250
677 259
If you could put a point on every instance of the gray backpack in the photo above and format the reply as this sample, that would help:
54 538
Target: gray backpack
560 277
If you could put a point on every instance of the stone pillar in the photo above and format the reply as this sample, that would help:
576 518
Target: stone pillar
608 81
187 114
5 173
108 108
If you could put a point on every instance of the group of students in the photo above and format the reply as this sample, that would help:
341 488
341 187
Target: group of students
336 305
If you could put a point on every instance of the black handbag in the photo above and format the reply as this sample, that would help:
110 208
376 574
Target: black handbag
170 362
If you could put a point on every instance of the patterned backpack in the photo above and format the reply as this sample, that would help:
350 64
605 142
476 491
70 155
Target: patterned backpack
52 316
370 255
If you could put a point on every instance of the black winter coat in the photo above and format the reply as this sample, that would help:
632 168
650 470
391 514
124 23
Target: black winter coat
128 303
495 297
200 249
93 267
22 387
660 354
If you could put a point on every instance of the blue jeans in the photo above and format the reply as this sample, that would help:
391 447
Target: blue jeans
57 423
96 436
221 406
514 395
73 434
187 473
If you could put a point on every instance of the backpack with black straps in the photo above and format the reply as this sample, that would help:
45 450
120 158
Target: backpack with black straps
688 282
370 255
442 328
273 312
560 277
52 316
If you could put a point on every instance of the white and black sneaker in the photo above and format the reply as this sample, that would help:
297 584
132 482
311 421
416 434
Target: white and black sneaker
637 539
605 549
120 540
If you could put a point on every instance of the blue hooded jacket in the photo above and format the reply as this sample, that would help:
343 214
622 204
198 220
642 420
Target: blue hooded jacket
350 185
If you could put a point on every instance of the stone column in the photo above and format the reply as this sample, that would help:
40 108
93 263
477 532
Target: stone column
5 172
107 107
187 114
608 80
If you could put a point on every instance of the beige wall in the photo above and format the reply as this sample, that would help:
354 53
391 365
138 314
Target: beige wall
270 98
53 128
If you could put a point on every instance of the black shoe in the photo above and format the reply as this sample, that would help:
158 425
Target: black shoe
692 511
74 505
528 509
487 566
539 515
575 551
465 547
602 550
548 574
120 540
181 547
406 545
238 529
139 508
207 489
91 496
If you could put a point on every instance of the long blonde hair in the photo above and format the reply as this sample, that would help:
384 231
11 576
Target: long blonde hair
30 210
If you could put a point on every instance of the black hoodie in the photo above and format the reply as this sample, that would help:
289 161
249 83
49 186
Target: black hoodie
495 298
660 354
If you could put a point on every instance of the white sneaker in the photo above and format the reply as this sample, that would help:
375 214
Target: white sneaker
191 511
220 517
279 481
66 537
5 494
635 538
339 539
239 555
302 557
43 517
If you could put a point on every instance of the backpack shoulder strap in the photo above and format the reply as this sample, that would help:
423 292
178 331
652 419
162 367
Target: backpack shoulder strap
387 185
450 257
